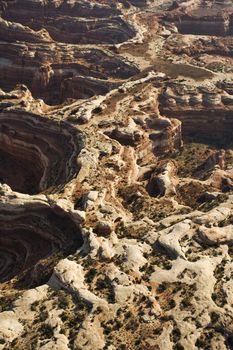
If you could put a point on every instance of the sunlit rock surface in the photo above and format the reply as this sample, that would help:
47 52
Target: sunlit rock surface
116 175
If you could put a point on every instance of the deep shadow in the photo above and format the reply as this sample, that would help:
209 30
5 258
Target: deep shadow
31 245
37 154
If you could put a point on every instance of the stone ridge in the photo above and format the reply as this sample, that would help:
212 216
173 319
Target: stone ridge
116 175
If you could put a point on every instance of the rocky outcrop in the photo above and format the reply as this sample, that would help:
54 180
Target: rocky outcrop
83 8
201 19
115 198
163 181
80 23
16 32
205 113
216 159
34 229
216 236
218 25
48 72
54 71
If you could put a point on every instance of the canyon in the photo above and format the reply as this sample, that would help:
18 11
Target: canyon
37 154
116 174
33 229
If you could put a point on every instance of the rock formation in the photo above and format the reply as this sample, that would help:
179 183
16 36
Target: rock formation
209 108
203 18
32 229
37 154
116 175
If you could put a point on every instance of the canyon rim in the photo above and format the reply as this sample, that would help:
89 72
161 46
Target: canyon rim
116 174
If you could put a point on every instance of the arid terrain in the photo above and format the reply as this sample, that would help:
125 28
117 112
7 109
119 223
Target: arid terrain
116 175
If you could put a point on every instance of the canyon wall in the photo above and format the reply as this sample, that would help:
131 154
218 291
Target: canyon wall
213 18
37 154
206 114
116 175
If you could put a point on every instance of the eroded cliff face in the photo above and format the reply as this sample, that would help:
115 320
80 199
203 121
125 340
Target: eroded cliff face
37 154
66 24
209 108
44 58
54 72
33 229
203 18
116 175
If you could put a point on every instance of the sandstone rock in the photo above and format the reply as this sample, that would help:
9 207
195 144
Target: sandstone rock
11 328
91 336
41 226
163 184
69 275
169 239
217 235
116 174
60 343
68 272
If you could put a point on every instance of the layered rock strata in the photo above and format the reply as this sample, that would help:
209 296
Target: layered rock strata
205 113
32 230
48 72
49 67
121 146
78 23
37 154
201 18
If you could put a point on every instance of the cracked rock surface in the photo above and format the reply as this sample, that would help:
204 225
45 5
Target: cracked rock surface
116 175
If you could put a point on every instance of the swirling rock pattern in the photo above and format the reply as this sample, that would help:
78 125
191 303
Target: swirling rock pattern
31 231
116 208
37 154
